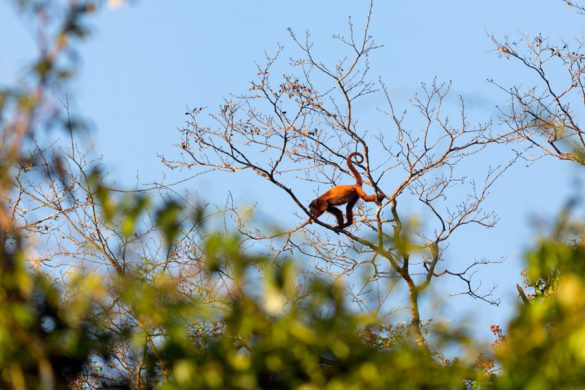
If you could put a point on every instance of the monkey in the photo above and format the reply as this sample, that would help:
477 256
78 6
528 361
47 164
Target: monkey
342 194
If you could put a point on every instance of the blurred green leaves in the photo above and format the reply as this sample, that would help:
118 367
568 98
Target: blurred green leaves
168 220
45 341
545 344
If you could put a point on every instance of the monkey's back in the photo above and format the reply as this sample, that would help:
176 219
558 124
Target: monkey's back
340 195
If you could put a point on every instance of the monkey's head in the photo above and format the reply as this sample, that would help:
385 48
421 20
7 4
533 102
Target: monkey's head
314 208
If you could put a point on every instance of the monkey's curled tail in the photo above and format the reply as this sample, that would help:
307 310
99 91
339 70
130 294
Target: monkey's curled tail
356 174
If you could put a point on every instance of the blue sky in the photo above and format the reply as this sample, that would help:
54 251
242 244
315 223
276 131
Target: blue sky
145 64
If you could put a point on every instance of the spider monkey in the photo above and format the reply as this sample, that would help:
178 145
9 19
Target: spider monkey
339 195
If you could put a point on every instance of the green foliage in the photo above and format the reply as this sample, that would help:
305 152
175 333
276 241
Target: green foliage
276 339
44 341
545 347
167 220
